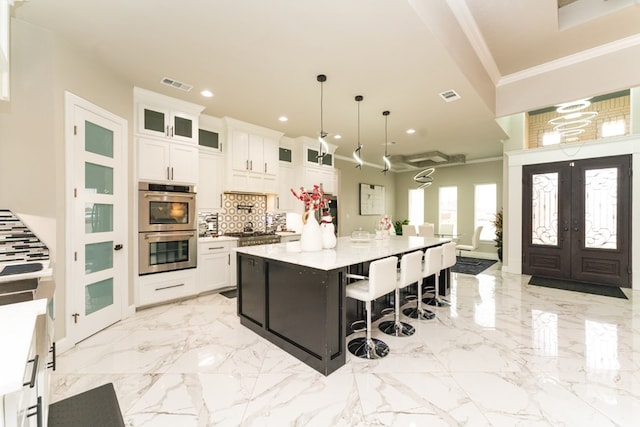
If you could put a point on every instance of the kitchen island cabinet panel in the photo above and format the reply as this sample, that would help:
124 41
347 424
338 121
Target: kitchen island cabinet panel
290 296
252 296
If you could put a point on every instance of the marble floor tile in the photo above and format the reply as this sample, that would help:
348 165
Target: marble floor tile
503 354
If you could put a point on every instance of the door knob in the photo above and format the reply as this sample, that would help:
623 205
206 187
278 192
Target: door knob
118 247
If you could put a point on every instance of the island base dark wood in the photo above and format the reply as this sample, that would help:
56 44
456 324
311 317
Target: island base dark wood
299 309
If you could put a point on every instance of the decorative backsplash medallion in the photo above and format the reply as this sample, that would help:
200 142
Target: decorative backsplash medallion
240 209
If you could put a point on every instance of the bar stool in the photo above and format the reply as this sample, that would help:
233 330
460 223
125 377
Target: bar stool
448 261
431 266
382 280
410 272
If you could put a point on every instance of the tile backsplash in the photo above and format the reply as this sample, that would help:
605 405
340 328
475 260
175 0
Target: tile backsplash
240 209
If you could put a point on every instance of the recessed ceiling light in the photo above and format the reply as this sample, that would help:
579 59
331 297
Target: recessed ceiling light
206 93
411 131
283 118
337 136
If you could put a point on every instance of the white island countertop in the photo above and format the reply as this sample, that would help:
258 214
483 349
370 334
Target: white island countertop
17 323
346 252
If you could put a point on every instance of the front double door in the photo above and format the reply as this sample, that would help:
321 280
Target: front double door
577 220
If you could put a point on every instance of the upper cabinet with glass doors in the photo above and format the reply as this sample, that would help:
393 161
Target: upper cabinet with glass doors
165 117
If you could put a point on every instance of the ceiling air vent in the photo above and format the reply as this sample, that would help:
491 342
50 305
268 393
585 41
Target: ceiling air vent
449 95
176 84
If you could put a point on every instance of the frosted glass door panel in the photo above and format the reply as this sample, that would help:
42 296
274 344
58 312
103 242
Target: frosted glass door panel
98 218
98 256
98 179
154 120
601 208
182 127
98 140
98 295
544 209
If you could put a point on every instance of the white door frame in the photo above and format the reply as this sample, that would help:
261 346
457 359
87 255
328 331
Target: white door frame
72 101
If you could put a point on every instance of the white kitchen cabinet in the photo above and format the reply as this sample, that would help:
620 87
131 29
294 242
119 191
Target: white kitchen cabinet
214 264
210 133
210 181
252 158
162 287
165 117
162 161
24 386
319 175
285 201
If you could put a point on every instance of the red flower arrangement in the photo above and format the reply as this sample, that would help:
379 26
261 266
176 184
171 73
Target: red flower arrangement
314 200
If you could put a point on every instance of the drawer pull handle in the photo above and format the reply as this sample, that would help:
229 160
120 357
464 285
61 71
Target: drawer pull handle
169 287
217 247
38 411
32 382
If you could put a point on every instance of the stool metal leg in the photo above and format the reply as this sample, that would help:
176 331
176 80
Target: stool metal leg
396 327
368 347
436 301
418 312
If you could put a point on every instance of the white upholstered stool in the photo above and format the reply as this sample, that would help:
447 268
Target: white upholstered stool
432 263
381 280
410 272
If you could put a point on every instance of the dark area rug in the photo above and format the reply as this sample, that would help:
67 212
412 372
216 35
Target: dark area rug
471 266
569 285
232 293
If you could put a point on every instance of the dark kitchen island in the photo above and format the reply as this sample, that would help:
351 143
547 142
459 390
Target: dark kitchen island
296 300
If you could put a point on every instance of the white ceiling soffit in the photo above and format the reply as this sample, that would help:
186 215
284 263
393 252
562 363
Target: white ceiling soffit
582 11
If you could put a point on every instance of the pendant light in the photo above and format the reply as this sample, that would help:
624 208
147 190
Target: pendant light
324 148
424 178
387 163
356 152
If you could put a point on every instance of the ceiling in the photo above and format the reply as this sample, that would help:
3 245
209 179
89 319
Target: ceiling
261 58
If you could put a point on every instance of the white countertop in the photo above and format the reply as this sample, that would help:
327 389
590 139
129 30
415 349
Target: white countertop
17 323
344 254
216 239
46 271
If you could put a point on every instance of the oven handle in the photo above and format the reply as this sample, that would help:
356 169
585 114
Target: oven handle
176 195
167 234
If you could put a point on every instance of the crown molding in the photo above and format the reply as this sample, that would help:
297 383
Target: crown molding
585 55
470 28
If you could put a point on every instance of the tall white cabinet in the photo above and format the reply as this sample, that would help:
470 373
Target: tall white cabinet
166 137
251 157
211 167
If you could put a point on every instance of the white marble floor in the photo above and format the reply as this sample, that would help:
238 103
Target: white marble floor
504 354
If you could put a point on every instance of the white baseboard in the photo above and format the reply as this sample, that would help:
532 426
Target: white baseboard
480 255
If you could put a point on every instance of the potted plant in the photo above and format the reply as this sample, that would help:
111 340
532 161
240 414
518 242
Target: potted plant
497 223
398 226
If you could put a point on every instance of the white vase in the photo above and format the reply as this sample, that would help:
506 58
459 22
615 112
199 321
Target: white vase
328 233
311 235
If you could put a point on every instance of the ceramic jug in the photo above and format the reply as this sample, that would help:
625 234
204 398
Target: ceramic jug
311 235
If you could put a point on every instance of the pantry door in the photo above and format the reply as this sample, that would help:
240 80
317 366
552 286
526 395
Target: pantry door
577 220
96 250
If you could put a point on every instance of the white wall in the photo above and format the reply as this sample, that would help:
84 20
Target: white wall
32 139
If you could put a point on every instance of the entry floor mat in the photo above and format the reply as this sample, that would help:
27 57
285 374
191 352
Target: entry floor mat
569 285
96 407
232 293
467 265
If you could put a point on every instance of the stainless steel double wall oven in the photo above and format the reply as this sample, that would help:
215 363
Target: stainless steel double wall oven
167 225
